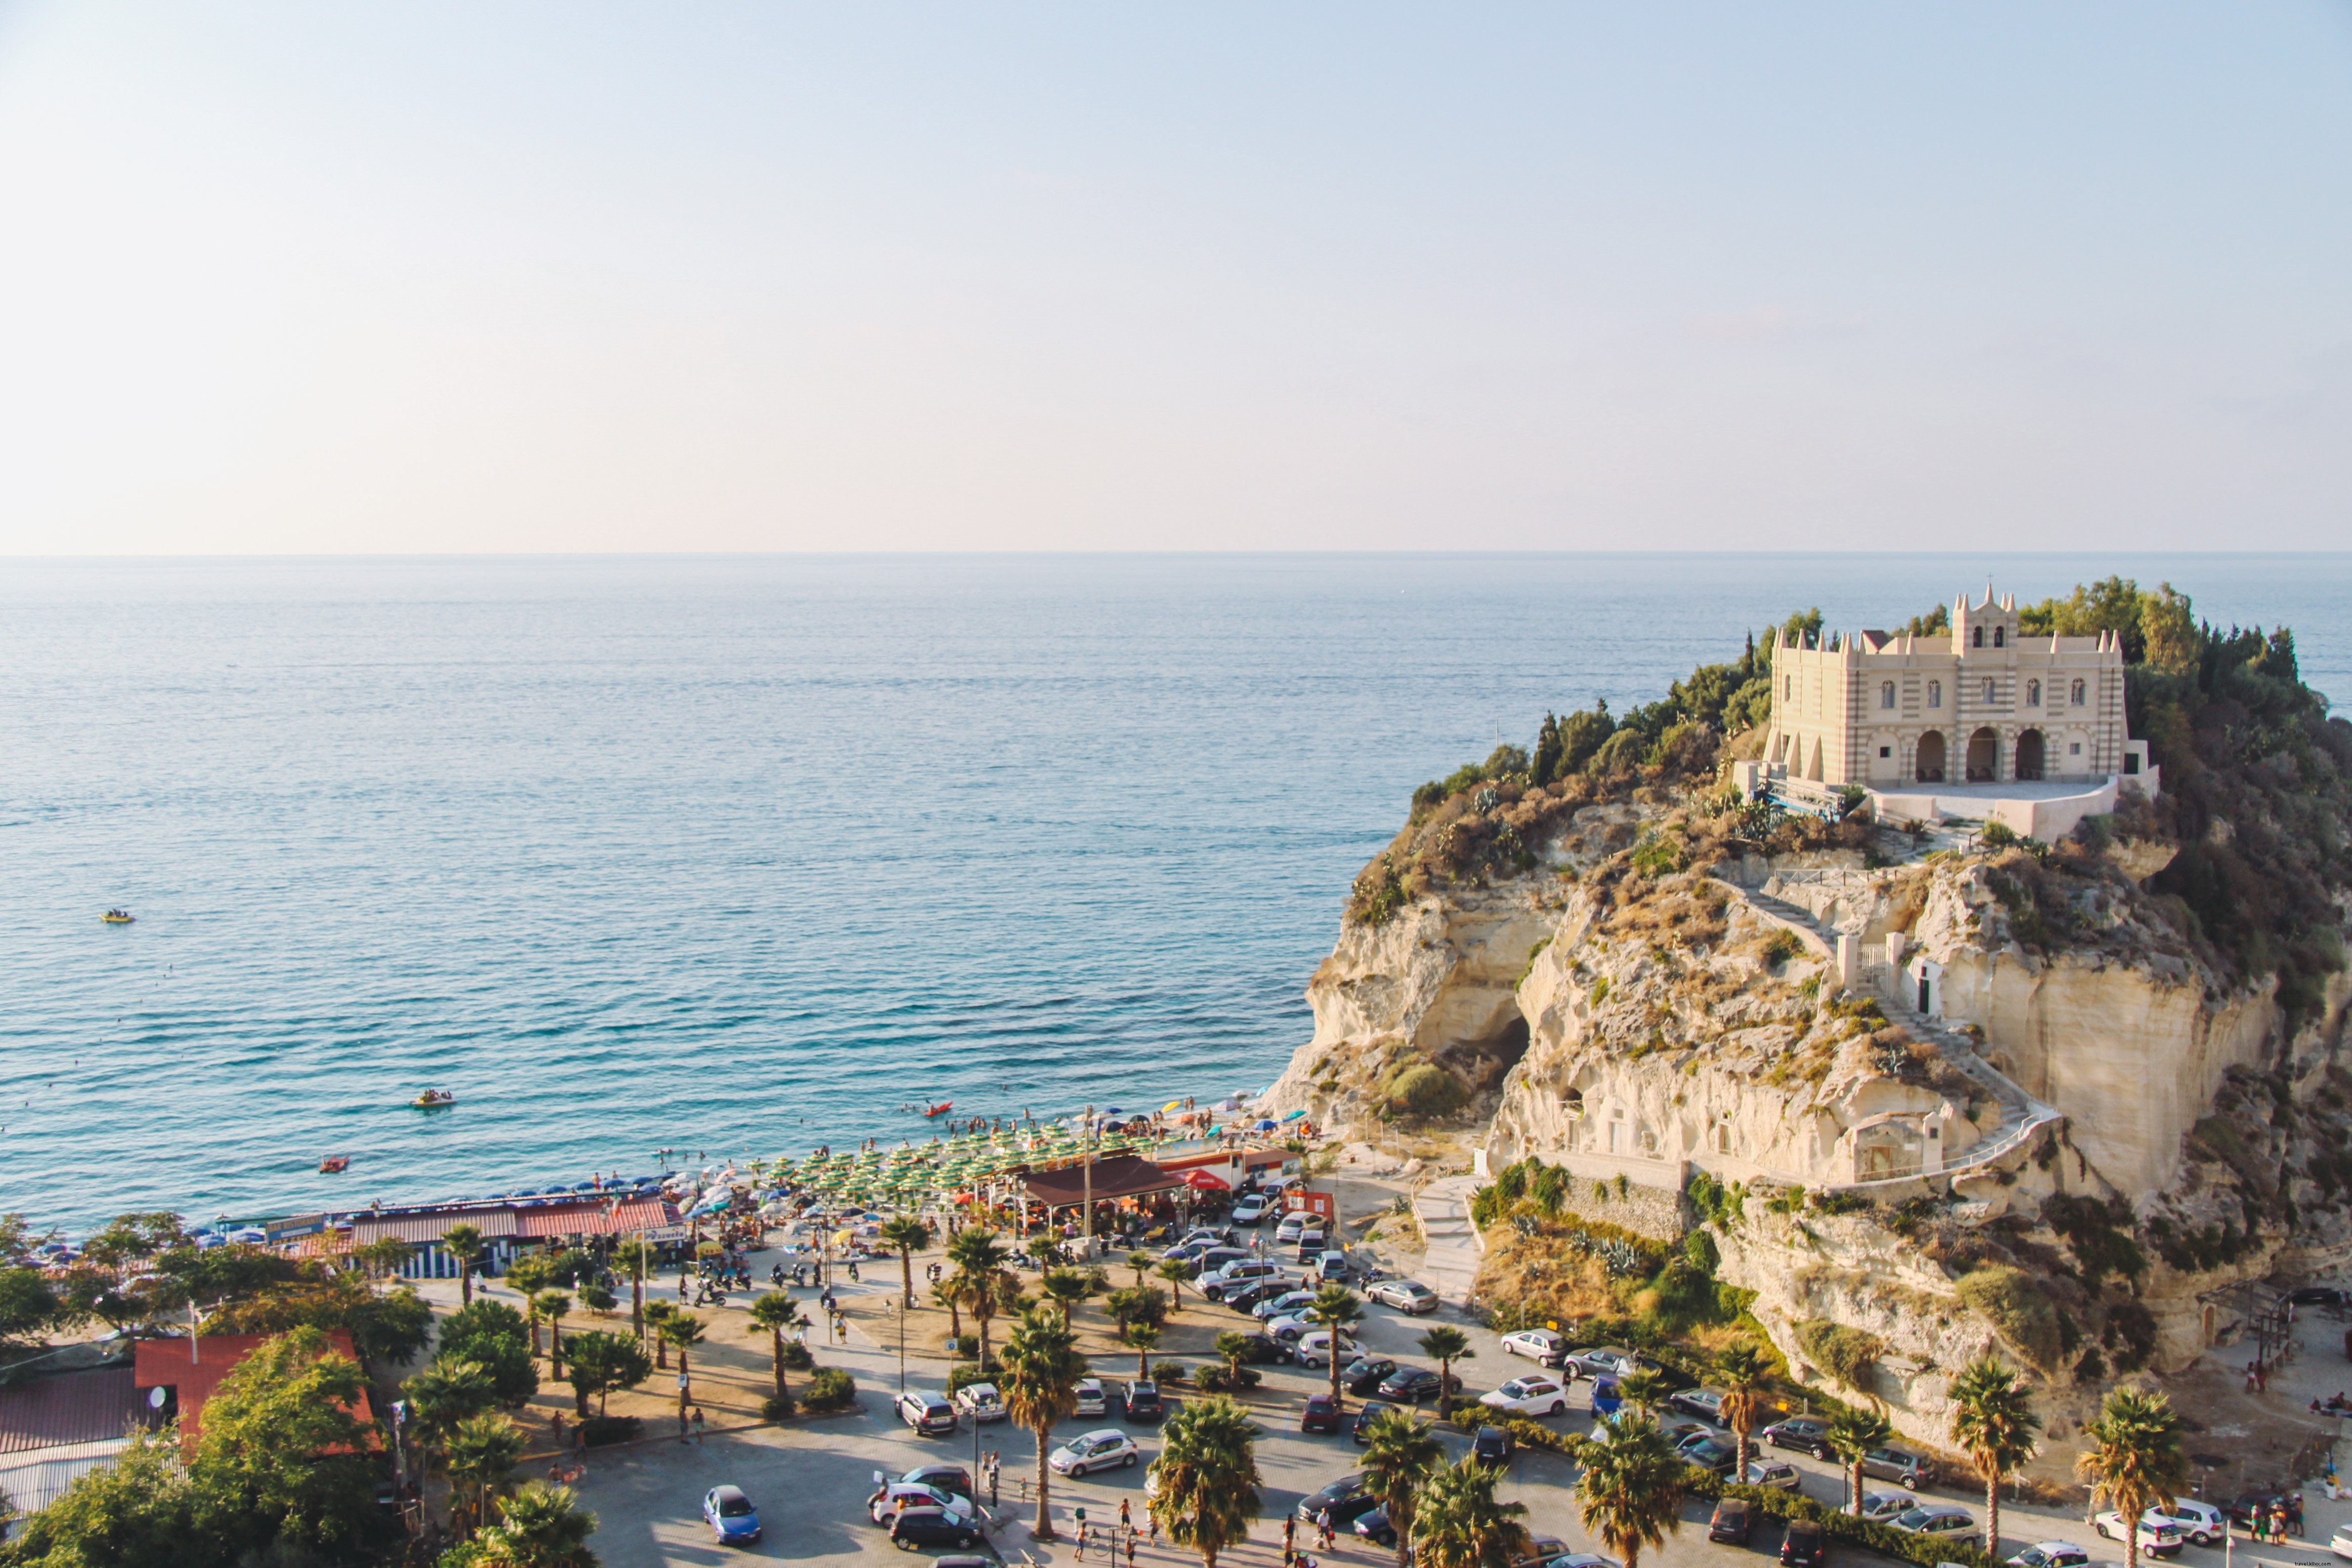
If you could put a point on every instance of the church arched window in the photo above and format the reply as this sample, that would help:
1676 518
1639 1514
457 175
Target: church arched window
2034 694
1988 690
1979 636
1999 636
2078 694
1887 694
1935 693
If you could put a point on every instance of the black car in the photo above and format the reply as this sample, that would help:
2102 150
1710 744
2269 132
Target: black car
1491 1446
1803 1432
1802 1545
1374 1527
1412 1385
1732 1521
1311 1506
1710 1454
2247 1505
1263 1348
1245 1300
1344 1513
932 1527
1365 1414
1366 1373
1142 1401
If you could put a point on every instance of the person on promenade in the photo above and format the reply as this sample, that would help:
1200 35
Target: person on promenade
681 1430
1125 1525
698 1423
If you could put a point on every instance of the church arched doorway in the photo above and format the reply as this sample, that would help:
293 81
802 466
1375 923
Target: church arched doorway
1931 757
2029 754
1984 757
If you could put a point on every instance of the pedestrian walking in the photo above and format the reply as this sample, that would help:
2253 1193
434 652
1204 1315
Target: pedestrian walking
1130 1549
698 1423
2295 1511
681 1428
1078 1552
1328 1535
1125 1525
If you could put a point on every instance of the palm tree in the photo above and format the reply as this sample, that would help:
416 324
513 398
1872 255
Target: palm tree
1208 1477
1066 1287
541 1526
2134 1460
657 1314
449 1392
1993 1420
1631 1493
1852 1434
1445 1346
383 1257
1233 1346
774 1312
1740 1371
466 1244
1175 1270
530 1276
483 1453
553 1305
1400 1455
980 1256
948 1293
1458 1523
1142 1339
1038 1378
1337 1308
909 1236
684 1331
1642 1389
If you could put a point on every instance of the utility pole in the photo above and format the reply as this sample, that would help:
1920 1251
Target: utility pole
1086 1154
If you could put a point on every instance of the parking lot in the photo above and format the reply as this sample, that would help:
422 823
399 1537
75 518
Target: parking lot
810 1479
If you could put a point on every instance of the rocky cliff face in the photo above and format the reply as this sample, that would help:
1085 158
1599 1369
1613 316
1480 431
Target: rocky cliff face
1647 1001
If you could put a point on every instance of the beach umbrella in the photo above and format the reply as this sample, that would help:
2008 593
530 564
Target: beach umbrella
1294 1116
1207 1182
1263 1125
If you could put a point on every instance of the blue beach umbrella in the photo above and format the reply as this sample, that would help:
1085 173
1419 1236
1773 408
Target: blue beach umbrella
1265 1125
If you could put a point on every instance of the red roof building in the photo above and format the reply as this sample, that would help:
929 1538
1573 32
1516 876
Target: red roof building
193 1370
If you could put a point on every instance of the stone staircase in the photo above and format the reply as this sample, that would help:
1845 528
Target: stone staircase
1450 1266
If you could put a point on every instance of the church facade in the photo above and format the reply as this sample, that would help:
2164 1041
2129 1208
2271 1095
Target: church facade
1981 705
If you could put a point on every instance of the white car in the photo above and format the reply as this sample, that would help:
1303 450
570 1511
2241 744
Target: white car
981 1401
2200 1521
2340 1543
1248 1209
1293 1226
1107 1449
2158 1536
1408 1296
2052 1554
1090 1397
1528 1396
1539 1345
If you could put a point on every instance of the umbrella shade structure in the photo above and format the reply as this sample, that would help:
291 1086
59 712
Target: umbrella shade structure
1207 1182
1265 1124
1294 1116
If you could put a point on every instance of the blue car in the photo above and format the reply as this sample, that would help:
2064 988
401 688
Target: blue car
730 1516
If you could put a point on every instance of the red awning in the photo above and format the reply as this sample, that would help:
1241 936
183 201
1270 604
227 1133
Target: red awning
1207 1182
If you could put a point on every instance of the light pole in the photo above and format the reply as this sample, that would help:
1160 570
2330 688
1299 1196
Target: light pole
900 1314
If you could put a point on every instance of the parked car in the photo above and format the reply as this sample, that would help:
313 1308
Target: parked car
1539 1345
2258 1501
1365 1415
1142 1401
1803 1432
1707 1404
2158 1536
1408 1296
1243 1299
1311 1506
1934 1518
933 1527
1213 1235
1296 1225
926 1412
2052 1554
2340 1542
1346 1511
730 1516
1249 1208
2200 1522
1412 1385
1608 1361
1582 1560
1733 1521
1778 1474
1107 1449
1881 1506
1318 1346
1366 1373
1803 1545
1260 1349
953 1480
1535 1396
894 1498
1709 1452
1373 1526
1542 1550
1311 1248
981 1401
1320 1415
1289 1304
1333 1268
1090 1397
1491 1446
1238 1277
1900 1465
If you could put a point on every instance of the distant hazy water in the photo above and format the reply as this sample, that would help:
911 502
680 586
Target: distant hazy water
737 854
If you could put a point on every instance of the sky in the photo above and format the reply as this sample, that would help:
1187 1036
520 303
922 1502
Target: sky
442 277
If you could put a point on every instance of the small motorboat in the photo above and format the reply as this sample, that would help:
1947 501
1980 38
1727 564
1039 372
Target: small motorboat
433 1099
942 1109
334 1164
117 917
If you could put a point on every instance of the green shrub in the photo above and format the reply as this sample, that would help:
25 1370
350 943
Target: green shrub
602 1430
1846 1353
964 1372
1997 835
1659 855
1780 947
796 1356
830 1388
1425 1089
2023 1315
776 1407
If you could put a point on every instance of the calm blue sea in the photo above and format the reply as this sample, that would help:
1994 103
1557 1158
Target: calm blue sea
739 855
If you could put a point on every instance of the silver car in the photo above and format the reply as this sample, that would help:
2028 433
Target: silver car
1405 1295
